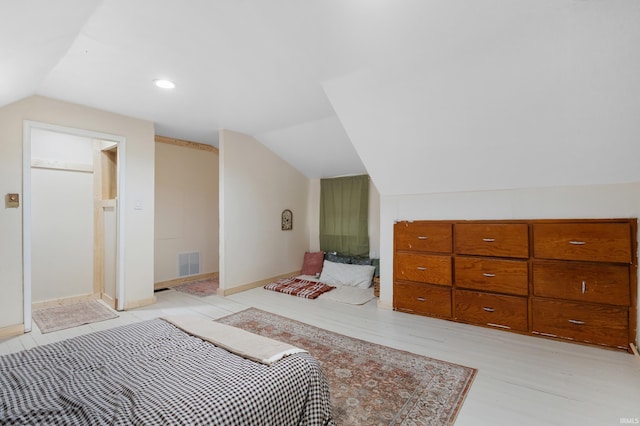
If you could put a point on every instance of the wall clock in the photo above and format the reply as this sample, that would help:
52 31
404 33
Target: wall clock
287 220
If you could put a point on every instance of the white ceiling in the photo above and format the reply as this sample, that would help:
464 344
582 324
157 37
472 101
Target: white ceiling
335 87
251 66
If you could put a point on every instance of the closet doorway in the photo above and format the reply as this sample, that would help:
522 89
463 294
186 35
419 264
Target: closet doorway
72 216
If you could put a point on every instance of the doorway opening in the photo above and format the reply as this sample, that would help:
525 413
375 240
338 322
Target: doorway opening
73 211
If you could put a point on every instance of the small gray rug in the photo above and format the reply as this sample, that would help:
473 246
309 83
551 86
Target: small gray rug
73 315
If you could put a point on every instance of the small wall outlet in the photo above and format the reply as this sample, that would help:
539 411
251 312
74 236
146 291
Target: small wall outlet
12 200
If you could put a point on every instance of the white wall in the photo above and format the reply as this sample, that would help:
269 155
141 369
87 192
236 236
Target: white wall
139 172
576 202
255 187
186 208
61 217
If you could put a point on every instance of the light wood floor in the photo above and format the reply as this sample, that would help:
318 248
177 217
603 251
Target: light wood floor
521 380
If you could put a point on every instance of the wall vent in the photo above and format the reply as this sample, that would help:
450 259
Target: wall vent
188 264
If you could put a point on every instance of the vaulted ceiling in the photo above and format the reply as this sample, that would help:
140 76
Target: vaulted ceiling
424 95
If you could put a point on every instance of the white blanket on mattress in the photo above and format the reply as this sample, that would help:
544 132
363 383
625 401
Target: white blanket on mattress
344 293
235 340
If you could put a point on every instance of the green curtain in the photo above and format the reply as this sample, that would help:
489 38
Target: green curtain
344 215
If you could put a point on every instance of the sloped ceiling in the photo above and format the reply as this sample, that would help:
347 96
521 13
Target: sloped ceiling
424 95
553 101
34 37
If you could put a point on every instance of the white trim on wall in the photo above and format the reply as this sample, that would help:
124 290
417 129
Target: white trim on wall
26 222
28 126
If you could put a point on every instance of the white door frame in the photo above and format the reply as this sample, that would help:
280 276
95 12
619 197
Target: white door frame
28 126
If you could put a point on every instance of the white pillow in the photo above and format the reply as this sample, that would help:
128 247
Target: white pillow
346 274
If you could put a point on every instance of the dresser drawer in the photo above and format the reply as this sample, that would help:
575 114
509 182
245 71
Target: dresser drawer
498 275
425 268
600 242
508 312
584 282
424 236
600 324
422 299
492 239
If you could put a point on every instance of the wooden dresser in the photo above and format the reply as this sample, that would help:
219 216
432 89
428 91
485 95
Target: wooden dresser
566 279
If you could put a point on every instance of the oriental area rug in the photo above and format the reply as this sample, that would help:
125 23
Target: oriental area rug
72 315
202 288
370 384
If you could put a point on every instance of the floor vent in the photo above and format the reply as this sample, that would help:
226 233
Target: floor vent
188 264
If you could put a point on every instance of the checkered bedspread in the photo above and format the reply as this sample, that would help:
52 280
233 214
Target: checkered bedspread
152 373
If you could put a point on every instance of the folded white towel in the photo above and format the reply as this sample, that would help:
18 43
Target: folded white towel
236 340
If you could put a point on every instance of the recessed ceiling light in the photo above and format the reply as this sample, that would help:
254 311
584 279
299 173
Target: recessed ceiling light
164 84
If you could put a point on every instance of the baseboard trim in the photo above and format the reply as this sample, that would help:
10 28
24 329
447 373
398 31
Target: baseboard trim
64 301
11 331
139 303
635 351
110 301
385 305
184 280
244 287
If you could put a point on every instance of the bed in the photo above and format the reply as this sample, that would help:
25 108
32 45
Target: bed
330 276
153 372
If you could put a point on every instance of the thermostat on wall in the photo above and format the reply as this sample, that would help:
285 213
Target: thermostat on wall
12 200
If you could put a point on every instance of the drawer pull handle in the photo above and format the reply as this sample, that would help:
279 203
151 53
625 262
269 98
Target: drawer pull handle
499 325
487 309
489 275
584 286
488 240
421 299
421 237
577 243
421 268
577 322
